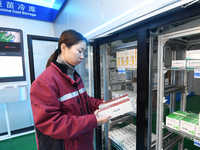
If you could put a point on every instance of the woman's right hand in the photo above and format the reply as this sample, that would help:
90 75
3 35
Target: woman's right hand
101 121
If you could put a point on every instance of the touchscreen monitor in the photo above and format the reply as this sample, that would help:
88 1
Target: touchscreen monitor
12 67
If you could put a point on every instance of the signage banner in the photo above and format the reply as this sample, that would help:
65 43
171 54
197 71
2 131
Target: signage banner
25 10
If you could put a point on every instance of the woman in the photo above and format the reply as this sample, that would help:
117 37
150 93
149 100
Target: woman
64 114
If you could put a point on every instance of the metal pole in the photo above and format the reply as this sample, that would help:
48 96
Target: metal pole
160 91
106 92
150 93
7 119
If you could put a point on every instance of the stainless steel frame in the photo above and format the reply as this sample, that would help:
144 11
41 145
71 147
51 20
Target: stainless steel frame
160 95
107 85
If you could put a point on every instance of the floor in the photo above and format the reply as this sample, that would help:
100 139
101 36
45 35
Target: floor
25 142
28 142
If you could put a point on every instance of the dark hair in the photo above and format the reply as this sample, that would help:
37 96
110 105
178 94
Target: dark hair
70 38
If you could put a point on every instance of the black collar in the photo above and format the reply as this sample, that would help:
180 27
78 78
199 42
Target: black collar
63 68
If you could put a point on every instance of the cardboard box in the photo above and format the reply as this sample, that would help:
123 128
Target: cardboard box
182 113
178 64
115 107
126 59
193 64
197 132
188 125
173 121
192 54
122 60
132 58
118 59
193 115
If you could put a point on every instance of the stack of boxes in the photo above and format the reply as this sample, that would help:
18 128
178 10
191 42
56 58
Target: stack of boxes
127 59
185 122
126 137
112 62
192 61
132 96
197 133
116 77
115 107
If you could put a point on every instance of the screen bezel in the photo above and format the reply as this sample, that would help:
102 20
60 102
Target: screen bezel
14 78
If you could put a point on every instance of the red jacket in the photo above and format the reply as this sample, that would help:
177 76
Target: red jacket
62 111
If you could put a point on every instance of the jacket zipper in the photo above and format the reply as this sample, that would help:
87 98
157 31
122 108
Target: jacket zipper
87 104
81 100
79 104
87 134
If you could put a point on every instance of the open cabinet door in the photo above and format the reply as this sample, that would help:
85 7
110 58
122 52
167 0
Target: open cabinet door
40 49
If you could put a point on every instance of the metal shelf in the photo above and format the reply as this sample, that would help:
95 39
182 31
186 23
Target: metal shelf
119 148
133 114
115 145
166 87
178 69
122 46
119 119
183 134
126 69
122 82
174 90
171 89
162 92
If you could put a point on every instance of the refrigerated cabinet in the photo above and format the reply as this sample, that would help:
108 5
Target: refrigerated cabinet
147 32
178 41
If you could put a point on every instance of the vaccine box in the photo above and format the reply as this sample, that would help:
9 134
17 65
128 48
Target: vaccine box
121 60
173 121
118 59
197 132
192 54
133 58
115 107
188 125
178 64
193 115
182 113
193 64
126 59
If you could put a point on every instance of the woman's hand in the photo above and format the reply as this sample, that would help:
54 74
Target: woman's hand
101 121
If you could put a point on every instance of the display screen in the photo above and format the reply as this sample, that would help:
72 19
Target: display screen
11 55
12 66
9 36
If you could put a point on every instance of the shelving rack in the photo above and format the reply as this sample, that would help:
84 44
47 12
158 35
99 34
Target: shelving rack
162 92
108 85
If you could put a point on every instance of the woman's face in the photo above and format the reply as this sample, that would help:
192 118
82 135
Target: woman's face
74 54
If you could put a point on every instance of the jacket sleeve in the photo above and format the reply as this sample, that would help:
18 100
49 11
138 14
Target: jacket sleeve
49 119
94 103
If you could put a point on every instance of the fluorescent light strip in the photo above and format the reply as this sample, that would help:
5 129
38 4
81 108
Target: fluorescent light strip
121 16
148 15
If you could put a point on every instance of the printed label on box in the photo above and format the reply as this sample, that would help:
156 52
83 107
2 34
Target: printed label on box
193 64
188 125
192 54
115 107
197 132
178 64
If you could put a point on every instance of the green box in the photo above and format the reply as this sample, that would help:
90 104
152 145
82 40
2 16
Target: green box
193 115
173 121
197 131
188 125
182 113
